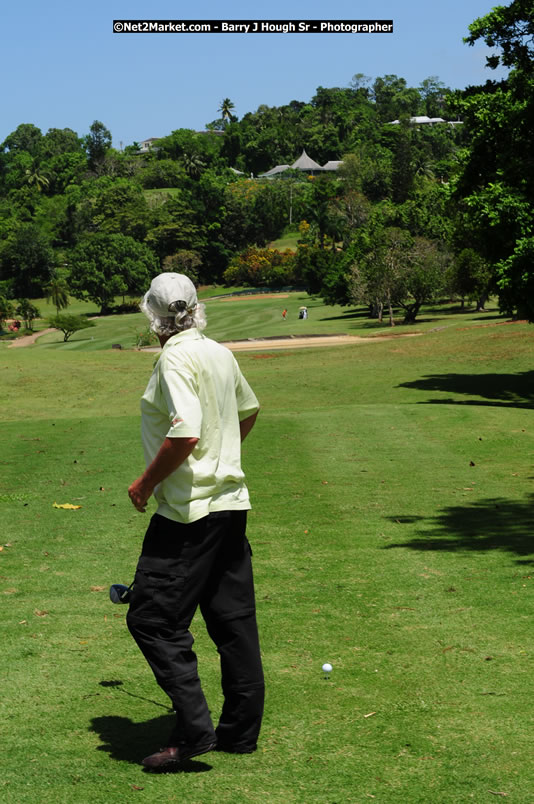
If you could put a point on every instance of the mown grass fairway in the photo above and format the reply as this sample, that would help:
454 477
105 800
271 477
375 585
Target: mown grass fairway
260 315
392 536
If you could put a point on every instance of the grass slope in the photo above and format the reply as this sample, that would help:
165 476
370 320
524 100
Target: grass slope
392 536
234 318
288 240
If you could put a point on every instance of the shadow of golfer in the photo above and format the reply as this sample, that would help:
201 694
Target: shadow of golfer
126 741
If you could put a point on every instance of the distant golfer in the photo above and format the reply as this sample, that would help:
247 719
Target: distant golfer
196 410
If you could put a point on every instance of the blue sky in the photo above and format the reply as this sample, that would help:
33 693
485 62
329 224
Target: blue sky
62 66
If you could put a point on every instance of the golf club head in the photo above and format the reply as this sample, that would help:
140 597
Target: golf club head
119 593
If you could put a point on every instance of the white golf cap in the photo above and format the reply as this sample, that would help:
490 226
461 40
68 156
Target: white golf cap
168 288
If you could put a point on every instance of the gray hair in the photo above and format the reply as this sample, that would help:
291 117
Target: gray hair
182 319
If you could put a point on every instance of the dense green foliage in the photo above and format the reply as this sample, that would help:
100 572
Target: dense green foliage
62 196
197 199
493 192
104 266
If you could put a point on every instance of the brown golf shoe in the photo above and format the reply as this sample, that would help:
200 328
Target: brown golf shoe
170 757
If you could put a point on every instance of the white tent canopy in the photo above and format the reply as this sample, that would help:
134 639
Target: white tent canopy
304 162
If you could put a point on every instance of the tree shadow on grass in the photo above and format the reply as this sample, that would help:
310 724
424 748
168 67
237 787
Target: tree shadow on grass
347 315
503 390
492 524
126 741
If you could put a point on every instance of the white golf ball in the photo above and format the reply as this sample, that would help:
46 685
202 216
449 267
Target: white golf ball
327 668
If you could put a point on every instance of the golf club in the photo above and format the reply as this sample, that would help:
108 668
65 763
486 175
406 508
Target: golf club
119 593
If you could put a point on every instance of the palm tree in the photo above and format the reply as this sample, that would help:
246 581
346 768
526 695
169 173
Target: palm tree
226 111
193 164
28 311
33 177
424 167
57 292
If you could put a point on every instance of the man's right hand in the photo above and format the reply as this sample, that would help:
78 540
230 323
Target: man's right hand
139 494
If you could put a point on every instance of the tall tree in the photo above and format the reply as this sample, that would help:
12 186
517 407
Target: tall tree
58 141
433 94
393 98
104 266
57 291
97 144
493 191
26 257
510 28
26 137
226 109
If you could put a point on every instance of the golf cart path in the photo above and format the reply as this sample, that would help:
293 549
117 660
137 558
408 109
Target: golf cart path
26 340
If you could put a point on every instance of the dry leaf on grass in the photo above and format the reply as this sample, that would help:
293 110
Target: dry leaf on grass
68 506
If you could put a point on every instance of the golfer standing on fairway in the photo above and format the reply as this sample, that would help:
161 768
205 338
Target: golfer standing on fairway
195 412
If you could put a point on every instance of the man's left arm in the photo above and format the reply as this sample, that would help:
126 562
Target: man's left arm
172 453
246 425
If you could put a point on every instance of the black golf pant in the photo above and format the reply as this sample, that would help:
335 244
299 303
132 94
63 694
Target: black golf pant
208 564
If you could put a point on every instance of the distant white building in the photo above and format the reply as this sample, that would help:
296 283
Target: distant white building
423 120
333 165
304 163
148 145
275 171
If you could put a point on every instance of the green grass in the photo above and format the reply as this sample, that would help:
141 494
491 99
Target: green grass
75 307
392 536
288 240
241 317
234 318
157 197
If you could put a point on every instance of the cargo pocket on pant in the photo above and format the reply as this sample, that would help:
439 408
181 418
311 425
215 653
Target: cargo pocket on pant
156 595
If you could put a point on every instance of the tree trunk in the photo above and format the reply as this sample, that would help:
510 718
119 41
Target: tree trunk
375 310
481 303
411 313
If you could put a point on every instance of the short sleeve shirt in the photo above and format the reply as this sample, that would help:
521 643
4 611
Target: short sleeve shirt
197 390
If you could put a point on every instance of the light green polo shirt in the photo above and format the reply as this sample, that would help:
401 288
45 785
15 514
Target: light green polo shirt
197 390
